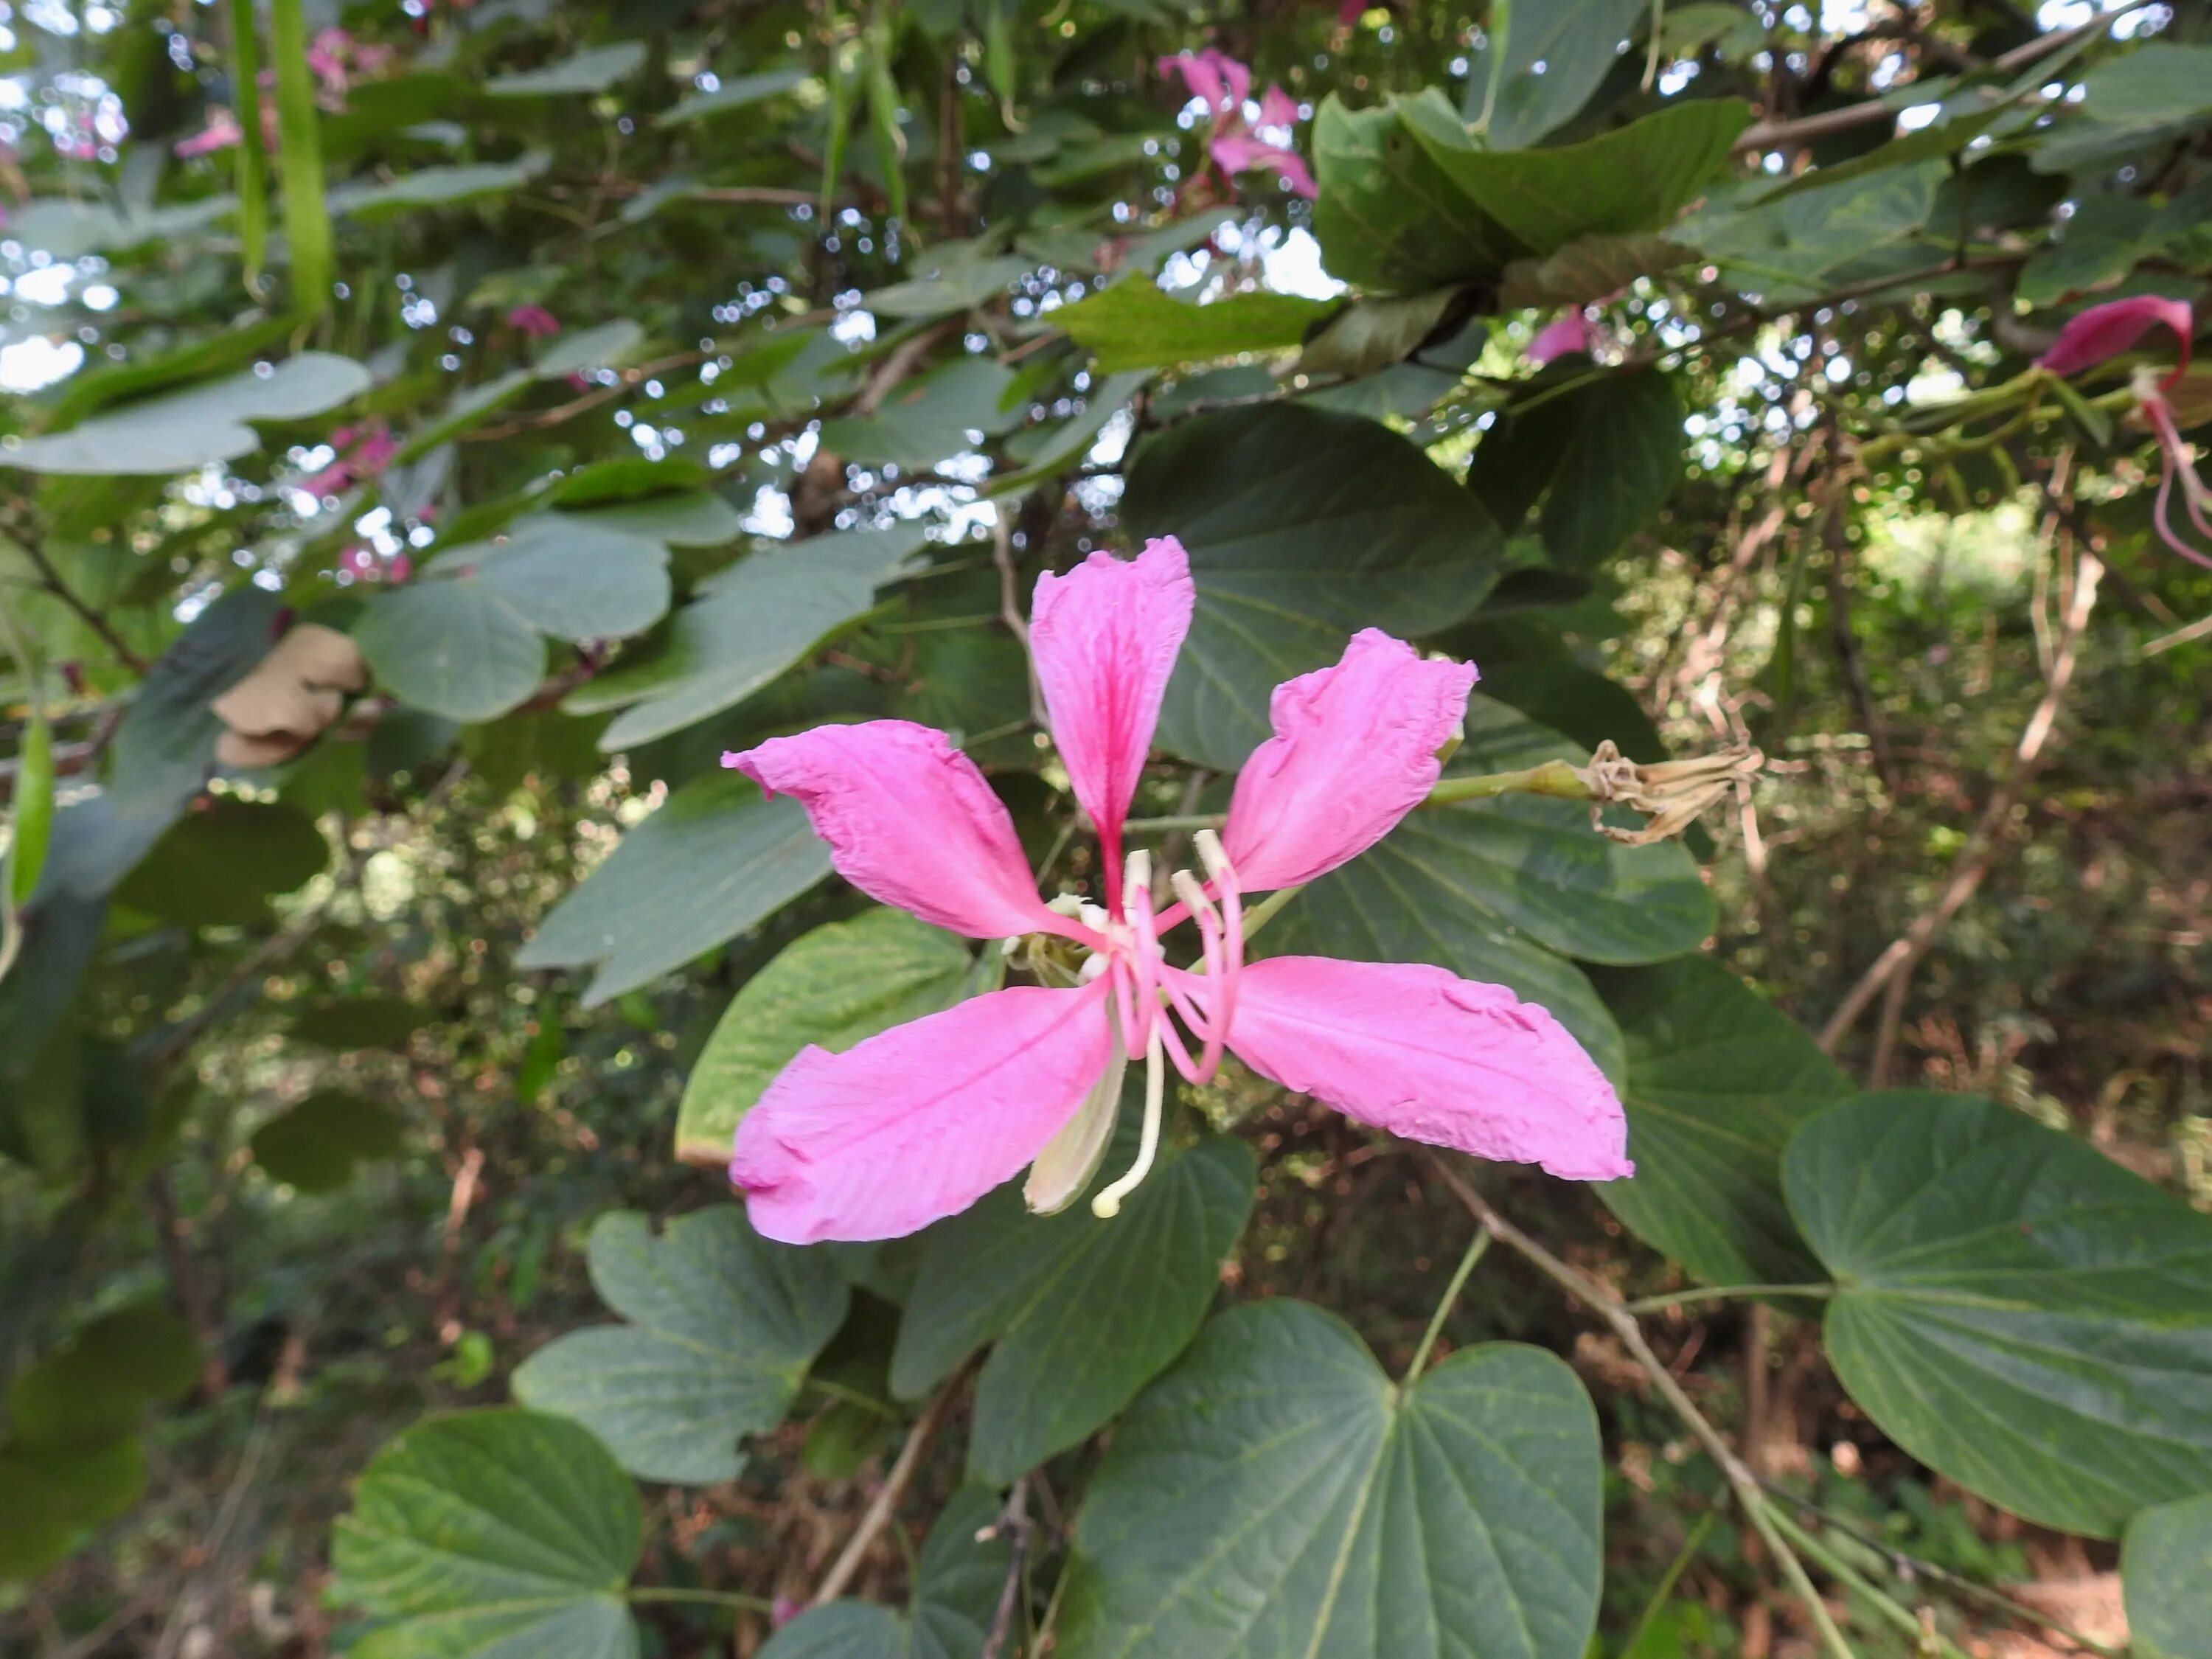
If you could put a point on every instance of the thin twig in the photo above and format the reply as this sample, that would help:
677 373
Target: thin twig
86 613
1602 1302
886 1501
1981 847
1014 1522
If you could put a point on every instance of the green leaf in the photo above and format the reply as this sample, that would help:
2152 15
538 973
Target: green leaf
571 577
32 831
316 1145
723 1324
2018 1312
1588 269
956 1597
1041 451
93 1391
1636 178
714 861
345 1023
740 92
1718 1080
187 429
1500 892
748 624
437 187
929 420
54 1497
1557 53
2158 81
593 70
1389 218
1275 1496
70 229
2165 1575
1859 229
492 1533
1370 335
580 349
1302 527
698 518
217 866
1132 324
831 987
300 159
1084 1311
1608 450
452 646
950 288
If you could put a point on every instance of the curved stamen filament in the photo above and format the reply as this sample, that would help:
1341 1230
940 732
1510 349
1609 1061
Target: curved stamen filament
1214 1031
1108 1203
1230 893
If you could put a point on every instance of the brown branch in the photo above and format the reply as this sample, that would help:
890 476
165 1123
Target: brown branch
191 1288
886 1501
1600 1301
1980 851
52 577
1014 1522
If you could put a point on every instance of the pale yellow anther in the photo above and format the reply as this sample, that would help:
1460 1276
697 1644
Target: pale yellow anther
1188 889
1211 855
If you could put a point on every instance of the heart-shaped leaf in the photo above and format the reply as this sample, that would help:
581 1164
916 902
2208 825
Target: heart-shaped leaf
723 1324
492 1531
1132 324
2017 1311
185 429
1275 1496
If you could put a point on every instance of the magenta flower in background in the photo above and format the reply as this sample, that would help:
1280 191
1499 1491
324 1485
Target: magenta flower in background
1235 146
919 1122
221 132
1570 331
533 321
2102 332
363 453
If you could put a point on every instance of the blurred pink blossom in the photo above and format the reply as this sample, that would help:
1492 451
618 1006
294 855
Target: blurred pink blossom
1570 332
1236 146
221 132
534 321
363 453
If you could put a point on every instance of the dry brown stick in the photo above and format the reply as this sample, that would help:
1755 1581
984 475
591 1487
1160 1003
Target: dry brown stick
1014 1521
1980 850
1600 1301
885 1502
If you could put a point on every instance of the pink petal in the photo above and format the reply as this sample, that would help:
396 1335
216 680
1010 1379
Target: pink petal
1240 153
919 1122
1213 75
2090 336
1104 637
909 821
1572 332
1424 1054
1277 108
1354 751
1236 75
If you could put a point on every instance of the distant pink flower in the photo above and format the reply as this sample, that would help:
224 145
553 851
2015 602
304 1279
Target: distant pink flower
337 60
1234 146
221 132
534 321
2101 333
1570 332
363 453
921 1121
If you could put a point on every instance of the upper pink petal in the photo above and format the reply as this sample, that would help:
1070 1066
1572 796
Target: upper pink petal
1570 332
1213 75
1354 751
2101 332
919 1122
1239 153
909 821
1277 108
1104 637
1424 1054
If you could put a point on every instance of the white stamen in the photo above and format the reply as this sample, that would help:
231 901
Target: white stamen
1137 877
1093 966
1108 1203
1065 904
1093 916
1211 853
1188 889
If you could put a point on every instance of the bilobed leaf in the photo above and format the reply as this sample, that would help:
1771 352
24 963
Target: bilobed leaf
593 70
1274 1496
1558 52
956 1597
1302 527
1607 449
1084 1311
747 624
741 92
1133 323
714 861
316 1145
2166 1573
1387 217
452 646
723 1324
217 866
1636 178
831 987
2017 1311
185 429
569 577
1718 1080
488 1534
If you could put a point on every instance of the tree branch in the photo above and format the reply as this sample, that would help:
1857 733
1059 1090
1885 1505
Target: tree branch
886 1501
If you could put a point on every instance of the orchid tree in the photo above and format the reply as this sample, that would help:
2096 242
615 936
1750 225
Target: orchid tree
757 896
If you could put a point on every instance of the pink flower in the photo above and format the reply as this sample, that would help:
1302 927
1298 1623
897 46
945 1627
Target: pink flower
221 132
2101 333
1570 331
1234 146
535 321
921 1121
363 453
